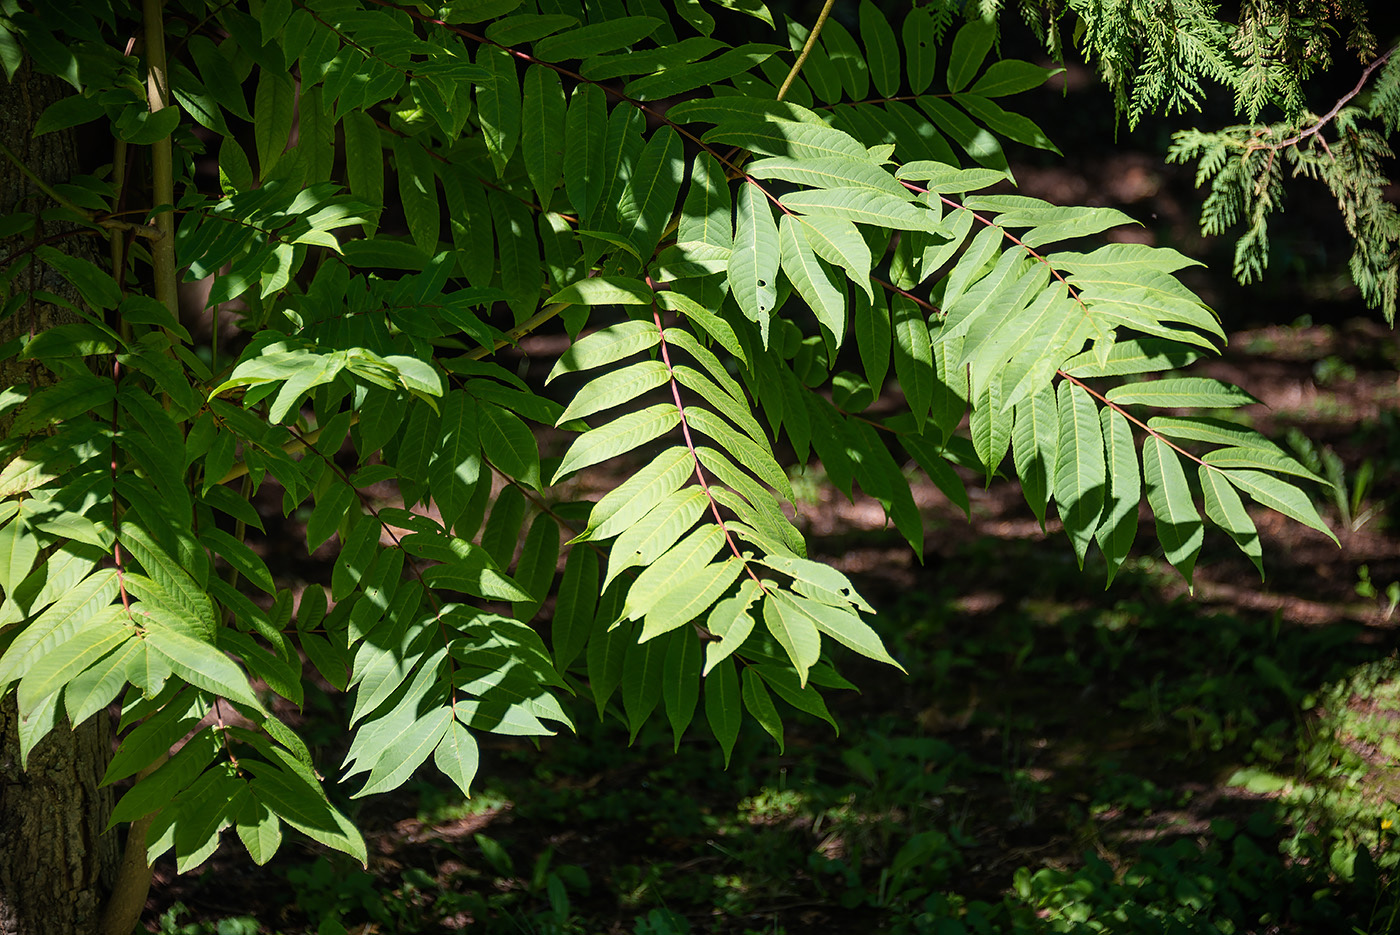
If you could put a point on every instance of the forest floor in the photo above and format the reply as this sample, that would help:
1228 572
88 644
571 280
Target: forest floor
1060 757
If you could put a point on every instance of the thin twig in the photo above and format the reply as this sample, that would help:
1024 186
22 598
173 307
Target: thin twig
806 48
1337 107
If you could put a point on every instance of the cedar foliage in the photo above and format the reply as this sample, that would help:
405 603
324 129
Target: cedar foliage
1164 56
711 225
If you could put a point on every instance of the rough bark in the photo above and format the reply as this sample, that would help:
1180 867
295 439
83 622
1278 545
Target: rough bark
56 863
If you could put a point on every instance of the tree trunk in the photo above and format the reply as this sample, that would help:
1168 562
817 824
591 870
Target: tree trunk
56 864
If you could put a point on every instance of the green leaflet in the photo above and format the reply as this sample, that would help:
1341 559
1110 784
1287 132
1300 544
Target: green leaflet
758 703
996 340
788 138
812 278
991 430
19 547
881 49
234 551
689 598
1218 431
723 708
364 161
1250 457
864 206
753 266
535 570
607 648
174 578
676 565
200 664
1279 495
710 323
830 172
1178 523
913 357
654 533
1010 125
936 466
1224 509
1035 447
618 437
398 761
846 59
687 76
681 682
1133 355
682 339
718 110
1124 259
627 64
766 512
606 290
804 698
795 630
508 443
575 606
95 687
527 27
948 179
259 830
706 216
299 801
97 637
1180 392
731 623
519 253
622 146
650 196
622 506
315 137
985 249
838 241
595 38
970 47
170 778
1148 301
1118 528
542 130
975 141
732 409
584 138
615 388
1080 473
455 466
607 345
643 670
498 105
758 459
1011 76
457 757
871 322
273 104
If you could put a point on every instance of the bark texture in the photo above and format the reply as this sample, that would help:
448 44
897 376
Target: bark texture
56 863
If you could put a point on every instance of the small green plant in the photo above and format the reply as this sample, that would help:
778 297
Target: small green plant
662 922
1348 495
1366 588
234 925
